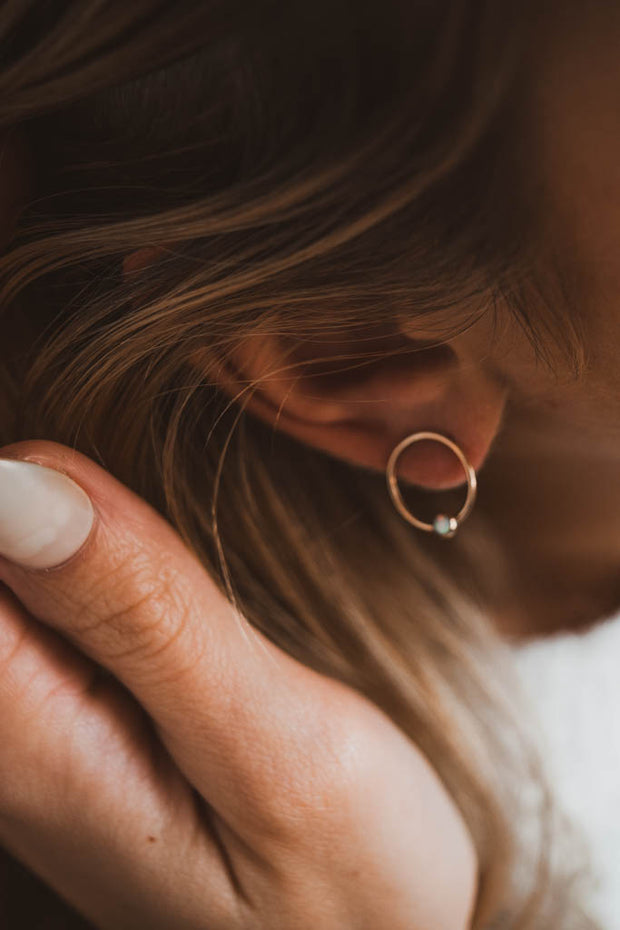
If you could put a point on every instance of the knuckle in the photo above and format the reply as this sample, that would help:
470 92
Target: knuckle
135 609
311 801
306 825
351 753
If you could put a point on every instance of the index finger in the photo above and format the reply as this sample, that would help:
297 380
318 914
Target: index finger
238 715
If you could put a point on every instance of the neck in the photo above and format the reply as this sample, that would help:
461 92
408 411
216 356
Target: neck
554 492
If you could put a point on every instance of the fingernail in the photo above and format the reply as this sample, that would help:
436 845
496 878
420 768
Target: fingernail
45 517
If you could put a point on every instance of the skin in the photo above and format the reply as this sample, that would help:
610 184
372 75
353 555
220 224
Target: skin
163 772
197 715
554 478
546 446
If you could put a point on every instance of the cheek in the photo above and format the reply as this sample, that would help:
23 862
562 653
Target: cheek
571 146
574 123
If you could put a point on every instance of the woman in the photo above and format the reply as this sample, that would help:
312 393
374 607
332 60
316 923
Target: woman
255 252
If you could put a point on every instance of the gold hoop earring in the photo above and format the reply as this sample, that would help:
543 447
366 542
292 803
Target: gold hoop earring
442 525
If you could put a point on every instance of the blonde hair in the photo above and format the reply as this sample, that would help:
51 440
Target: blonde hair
304 201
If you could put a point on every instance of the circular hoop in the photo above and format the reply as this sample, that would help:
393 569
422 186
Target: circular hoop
442 525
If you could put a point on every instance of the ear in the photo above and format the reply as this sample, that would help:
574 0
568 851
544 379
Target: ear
356 399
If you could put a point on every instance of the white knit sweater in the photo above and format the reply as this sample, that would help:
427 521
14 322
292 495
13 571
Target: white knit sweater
572 681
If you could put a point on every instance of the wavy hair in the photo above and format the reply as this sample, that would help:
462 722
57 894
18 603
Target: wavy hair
308 170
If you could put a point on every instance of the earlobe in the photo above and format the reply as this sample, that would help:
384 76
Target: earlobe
358 409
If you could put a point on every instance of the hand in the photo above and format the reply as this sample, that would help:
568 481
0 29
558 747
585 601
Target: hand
164 765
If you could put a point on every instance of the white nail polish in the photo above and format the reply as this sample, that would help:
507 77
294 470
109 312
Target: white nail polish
45 517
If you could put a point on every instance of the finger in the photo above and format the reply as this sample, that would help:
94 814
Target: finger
88 801
237 714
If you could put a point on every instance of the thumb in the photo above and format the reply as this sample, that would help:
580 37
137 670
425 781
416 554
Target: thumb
88 557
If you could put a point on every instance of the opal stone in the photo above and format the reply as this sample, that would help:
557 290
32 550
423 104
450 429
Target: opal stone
444 526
